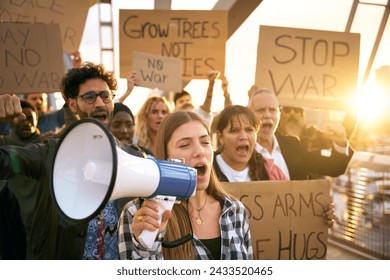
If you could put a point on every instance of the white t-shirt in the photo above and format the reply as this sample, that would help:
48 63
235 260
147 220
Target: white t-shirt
231 174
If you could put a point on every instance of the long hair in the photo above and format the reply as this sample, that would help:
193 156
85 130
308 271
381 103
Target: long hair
180 224
142 129
241 113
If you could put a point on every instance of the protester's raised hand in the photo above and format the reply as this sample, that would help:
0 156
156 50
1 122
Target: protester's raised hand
224 84
337 134
252 90
10 108
132 80
212 75
76 59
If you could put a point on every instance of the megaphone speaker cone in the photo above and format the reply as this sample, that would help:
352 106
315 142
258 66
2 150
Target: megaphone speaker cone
84 170
89 170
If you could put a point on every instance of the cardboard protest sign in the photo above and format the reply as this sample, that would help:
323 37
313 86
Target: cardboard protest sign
312 68
71 16
158 71
32 58
285 217
197 37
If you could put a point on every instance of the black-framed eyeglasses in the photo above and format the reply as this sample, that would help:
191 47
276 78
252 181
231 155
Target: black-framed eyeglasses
91 96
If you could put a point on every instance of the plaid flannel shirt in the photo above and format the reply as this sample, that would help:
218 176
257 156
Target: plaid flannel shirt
235 236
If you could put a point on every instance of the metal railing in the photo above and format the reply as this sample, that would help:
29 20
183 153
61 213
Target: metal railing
362 205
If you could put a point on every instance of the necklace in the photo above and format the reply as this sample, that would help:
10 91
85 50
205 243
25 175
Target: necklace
198 219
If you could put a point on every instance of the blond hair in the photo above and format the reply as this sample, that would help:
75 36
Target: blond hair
142 130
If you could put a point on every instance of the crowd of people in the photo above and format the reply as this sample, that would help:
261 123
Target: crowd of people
238 144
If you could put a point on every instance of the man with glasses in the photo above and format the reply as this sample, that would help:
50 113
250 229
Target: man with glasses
287 151
89 93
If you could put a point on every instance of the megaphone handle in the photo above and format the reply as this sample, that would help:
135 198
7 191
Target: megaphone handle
147 238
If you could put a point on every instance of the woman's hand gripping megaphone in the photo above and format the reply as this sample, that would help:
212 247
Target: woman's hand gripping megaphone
152 218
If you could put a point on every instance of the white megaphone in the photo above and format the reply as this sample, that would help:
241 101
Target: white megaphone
89 170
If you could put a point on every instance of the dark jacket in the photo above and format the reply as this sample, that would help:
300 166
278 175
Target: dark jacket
13 139
12 233
50 237
303 165
25 197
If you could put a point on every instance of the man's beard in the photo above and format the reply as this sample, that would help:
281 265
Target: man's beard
293 120
292 125
101 114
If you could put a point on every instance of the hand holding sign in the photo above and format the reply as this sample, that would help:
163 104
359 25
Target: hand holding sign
132 82
329 214
213 75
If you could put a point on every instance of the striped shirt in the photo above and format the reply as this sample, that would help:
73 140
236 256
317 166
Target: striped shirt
236 243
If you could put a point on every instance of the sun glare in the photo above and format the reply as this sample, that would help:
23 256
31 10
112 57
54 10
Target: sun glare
371 104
